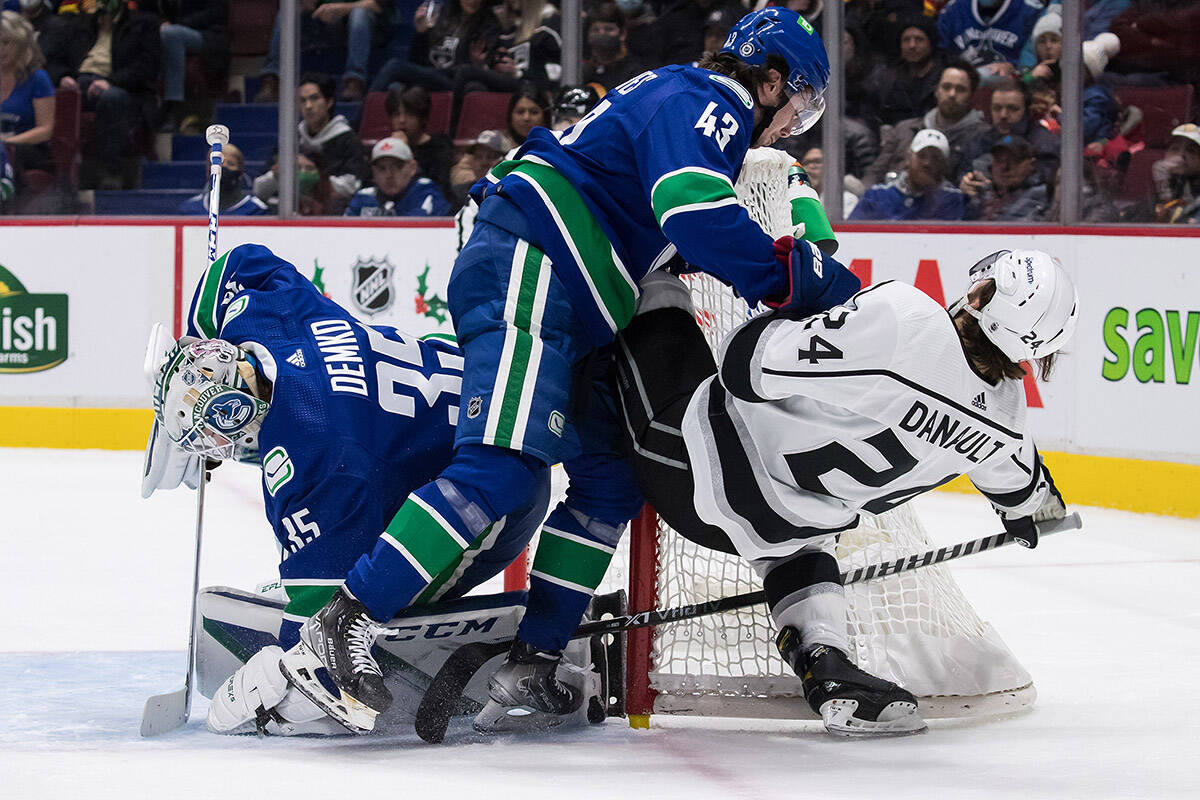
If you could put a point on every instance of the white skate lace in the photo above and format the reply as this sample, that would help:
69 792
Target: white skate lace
361 635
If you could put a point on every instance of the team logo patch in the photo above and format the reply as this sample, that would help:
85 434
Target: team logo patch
229 412
371 291
235 308
277 469
474 406
556 423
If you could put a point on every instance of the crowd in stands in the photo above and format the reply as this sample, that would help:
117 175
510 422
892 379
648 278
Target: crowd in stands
952 107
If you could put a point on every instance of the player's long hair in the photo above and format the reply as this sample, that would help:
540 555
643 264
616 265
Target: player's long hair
989 360
747 75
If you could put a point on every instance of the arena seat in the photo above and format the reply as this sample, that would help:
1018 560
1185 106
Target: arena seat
1163 108
481 111
250 25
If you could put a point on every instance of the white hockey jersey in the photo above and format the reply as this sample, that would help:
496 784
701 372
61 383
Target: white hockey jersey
862 407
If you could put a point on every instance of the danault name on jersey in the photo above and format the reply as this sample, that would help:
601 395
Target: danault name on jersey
941 429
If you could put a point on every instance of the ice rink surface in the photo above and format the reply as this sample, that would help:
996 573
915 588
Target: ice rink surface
1107 620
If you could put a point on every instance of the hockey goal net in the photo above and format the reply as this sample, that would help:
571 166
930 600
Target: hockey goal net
917 628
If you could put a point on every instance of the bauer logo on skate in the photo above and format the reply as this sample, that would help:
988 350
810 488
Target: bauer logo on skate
33 327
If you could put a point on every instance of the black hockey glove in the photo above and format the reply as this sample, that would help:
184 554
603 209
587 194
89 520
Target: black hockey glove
1024 529
815 282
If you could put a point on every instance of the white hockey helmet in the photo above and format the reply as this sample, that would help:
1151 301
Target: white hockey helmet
1035 308
201 399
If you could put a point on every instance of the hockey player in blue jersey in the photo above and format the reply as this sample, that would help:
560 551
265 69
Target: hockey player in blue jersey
566 230
345 419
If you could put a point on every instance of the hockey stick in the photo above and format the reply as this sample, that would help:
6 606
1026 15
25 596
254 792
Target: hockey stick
447 686
166 712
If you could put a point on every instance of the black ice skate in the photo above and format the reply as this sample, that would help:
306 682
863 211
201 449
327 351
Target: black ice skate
333 667
851 702
526 693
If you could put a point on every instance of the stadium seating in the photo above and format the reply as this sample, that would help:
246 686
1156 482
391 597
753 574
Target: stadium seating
1163 108
481 111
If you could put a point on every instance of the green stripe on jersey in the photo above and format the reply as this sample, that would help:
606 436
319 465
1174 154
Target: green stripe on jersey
519 365
306 600
674 192
613 291
424 538
209 300
572 560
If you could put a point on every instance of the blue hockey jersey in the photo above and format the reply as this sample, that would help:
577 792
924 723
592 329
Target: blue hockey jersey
360 416
648 172
421 198
962 31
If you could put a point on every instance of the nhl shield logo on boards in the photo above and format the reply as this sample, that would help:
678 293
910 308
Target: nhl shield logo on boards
371 291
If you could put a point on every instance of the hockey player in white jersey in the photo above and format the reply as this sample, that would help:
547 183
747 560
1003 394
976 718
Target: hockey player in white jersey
812 419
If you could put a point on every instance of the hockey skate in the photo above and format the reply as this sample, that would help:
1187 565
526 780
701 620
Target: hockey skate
534 690
851 702
332 665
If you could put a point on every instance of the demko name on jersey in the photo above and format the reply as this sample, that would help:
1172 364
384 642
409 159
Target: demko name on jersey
343 361
942 429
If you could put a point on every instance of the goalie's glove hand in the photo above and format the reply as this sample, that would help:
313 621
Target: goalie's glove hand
1024 529
814 282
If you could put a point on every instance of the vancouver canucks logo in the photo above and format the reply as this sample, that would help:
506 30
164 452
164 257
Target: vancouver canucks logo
371 291
33 327
230 412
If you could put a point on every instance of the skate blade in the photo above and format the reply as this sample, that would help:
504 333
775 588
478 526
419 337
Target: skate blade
496 718
299 665
896 719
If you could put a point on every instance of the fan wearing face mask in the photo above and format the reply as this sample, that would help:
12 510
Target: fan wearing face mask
237 199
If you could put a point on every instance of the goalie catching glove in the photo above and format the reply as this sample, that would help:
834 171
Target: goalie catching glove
814 282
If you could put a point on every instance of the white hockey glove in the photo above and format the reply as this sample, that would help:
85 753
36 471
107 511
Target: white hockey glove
258 698
165 466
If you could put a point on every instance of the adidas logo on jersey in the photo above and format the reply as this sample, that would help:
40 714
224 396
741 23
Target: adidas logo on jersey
980 402
296 359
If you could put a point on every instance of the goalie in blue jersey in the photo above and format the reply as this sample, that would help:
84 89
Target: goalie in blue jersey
345 419
566 230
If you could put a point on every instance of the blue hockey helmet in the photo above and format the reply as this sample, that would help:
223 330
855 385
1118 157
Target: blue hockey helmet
783 32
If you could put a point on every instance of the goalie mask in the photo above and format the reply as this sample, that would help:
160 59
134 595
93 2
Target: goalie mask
783 32
204 399
1034 310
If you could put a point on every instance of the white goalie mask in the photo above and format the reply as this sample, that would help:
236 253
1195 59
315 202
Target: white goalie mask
203 399
1034 310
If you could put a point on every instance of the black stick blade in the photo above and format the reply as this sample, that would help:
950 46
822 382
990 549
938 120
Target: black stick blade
448 685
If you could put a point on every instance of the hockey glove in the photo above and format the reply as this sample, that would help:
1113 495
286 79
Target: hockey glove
1024 529
815 282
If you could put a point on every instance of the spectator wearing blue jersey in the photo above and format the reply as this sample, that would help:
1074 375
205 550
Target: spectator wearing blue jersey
237 199
27 108
989 34
400 190
919 192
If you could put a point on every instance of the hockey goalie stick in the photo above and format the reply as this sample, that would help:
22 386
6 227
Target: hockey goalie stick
447 686
166 712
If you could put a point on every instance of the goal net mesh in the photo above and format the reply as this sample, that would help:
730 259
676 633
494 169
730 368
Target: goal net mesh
916 628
